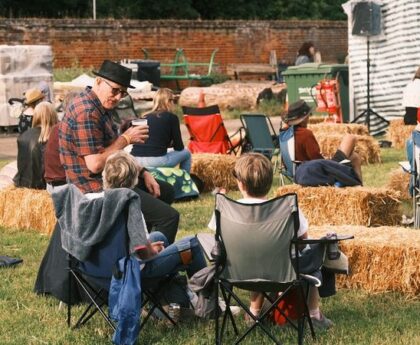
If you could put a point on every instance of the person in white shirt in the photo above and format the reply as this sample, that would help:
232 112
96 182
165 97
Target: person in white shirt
411 99
254 175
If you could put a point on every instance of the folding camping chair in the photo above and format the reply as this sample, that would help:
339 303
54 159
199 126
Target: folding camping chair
94 277
260 134
287 154
258 241
413 153
207 131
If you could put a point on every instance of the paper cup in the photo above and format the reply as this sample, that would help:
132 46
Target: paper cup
139 122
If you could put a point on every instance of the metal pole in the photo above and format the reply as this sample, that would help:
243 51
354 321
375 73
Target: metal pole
368 85
94 9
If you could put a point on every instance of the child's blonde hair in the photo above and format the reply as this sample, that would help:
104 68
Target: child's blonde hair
45 117
255 171
121 171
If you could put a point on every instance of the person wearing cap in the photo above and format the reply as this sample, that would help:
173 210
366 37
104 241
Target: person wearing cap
33 97
88 136
306 145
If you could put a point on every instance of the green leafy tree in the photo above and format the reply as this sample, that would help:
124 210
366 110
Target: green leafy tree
176 9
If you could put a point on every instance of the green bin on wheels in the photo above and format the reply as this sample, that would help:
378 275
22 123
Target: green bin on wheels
301 81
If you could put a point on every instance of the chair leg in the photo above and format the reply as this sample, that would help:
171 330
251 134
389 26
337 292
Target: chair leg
258 320
218 336
69 301
228 313
83 283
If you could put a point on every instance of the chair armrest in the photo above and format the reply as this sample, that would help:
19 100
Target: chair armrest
314 281
324 240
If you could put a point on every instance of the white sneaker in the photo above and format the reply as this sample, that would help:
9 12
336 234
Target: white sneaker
233 309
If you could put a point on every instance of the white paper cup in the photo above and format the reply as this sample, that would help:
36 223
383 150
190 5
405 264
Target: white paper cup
139 122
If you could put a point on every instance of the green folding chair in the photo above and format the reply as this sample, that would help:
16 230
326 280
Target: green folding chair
261 136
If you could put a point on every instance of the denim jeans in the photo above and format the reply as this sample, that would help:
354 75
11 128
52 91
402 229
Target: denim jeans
171 159
168 261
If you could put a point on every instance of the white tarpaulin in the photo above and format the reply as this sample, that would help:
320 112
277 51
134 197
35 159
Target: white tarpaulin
21 68
394 58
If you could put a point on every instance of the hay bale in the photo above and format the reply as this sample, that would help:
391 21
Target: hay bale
7 173
27 208
367 147
215 170
351 205
339 128
381 259
398 133
399 181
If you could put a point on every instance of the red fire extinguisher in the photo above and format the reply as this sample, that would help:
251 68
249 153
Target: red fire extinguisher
330 90
321 103
327 99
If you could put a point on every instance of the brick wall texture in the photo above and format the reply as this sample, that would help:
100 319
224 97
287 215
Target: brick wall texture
88 42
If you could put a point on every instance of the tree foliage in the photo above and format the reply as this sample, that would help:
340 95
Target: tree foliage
176 9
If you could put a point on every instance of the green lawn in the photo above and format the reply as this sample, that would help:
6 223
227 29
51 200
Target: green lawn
360 318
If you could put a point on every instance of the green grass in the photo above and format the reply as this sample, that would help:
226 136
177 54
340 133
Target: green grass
360 318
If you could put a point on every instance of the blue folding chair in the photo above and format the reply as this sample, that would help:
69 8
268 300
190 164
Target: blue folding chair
287 154
413 155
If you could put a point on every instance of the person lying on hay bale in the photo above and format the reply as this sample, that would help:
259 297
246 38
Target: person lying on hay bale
345 165
88 135
254 176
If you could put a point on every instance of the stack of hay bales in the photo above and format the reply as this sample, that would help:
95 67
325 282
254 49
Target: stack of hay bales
367 147
215 170
351 205
400 181
25 208
339 128
381 259
398 133
330 135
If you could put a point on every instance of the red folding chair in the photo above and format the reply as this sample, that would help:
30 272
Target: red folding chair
207 131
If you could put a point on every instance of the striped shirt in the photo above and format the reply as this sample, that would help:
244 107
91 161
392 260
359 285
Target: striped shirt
86 129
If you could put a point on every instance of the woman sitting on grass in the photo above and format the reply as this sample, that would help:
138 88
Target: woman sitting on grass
31 146
164 133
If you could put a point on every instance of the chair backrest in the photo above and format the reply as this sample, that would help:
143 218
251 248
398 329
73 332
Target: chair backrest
259 132
207 131
105 254
416 151
287 151
257 238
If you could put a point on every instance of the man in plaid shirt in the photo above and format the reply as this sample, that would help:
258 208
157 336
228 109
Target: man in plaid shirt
87 136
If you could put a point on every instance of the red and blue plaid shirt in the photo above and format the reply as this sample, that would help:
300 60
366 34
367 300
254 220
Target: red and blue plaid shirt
86 129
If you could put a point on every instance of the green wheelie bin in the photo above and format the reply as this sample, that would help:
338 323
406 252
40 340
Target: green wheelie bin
301 81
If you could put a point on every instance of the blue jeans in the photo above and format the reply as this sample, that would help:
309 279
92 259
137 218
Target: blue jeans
168 261
171 159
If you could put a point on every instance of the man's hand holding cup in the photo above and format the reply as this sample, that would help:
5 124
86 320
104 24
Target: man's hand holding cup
138 132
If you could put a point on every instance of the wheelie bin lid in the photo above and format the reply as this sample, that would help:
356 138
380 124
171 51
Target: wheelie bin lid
315 68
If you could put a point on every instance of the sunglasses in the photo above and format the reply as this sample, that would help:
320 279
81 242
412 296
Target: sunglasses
115 91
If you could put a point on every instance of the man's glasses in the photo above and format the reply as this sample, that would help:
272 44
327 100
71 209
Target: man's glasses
115 91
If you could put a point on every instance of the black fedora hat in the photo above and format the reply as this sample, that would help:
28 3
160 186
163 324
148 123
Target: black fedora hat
115 72
297 112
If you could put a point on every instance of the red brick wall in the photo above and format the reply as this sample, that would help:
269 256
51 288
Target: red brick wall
89 42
